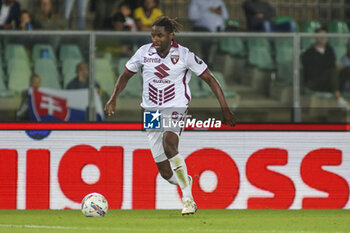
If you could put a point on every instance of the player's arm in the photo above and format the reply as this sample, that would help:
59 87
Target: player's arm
229 117
119 86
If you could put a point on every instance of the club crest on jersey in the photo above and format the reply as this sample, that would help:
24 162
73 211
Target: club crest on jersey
174 59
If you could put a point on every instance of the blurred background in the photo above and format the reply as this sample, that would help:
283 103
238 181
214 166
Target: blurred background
278 61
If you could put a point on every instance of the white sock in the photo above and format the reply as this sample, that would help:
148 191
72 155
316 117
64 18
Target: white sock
173 180
178 165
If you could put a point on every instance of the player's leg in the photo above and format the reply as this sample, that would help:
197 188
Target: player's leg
166 172
156 143
178 165
177 162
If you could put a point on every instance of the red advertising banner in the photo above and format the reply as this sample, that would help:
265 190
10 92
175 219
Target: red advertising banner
280 166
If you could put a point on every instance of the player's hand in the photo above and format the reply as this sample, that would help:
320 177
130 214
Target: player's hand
110 107
229 117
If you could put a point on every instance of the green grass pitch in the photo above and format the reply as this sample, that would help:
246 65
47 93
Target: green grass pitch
153 221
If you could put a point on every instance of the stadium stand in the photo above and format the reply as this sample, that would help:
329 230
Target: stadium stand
69 69
19 73
15 51
105 75
47 70
285 18
134 87
309 26
2 82
260 57
338 44
70 51
198 89
43 51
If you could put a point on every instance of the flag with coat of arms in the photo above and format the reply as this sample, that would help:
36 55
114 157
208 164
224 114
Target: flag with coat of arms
61 105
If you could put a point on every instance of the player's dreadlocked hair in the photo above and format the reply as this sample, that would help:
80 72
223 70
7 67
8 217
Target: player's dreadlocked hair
170 25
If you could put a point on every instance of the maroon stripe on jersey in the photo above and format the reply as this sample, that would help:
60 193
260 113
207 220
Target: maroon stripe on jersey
203 72
152 91
154 101
172 90
168 87
184 82
169 99
152 95
126 68
154 88
168 95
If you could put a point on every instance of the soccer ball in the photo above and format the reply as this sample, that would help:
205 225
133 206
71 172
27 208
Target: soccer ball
94 205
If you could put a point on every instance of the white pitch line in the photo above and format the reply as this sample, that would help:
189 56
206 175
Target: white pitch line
126 229
37 226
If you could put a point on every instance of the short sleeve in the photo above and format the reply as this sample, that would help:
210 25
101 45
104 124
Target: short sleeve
134 64
195 64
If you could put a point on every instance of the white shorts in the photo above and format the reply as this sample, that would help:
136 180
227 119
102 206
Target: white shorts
155 136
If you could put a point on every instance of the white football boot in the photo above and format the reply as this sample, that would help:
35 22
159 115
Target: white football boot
190 206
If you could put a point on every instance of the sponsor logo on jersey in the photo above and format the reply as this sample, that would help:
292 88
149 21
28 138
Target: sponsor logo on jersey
161 96
174 59
151 60
161 81
161 71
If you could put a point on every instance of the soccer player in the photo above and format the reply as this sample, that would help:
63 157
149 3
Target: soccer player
166 72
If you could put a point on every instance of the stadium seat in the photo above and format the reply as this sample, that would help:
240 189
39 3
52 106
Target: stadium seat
69 70
284 50
284 18
43 51
105 75
134 87
284 60
70 51
19 80
336 26
15 51
198 87
14 65
47 70
2 82
121 64
309 26
232 46
220 77
338 44
259 53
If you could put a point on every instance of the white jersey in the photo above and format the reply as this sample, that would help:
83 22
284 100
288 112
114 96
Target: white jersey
165 79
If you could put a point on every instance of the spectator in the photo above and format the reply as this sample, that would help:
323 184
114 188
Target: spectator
259 16
22 113
10 13
82 79
320 73
208 15
121 20
103 11
344 75
147 14
81 11
46 19
26 22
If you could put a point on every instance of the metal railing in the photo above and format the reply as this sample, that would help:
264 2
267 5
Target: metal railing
94 37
